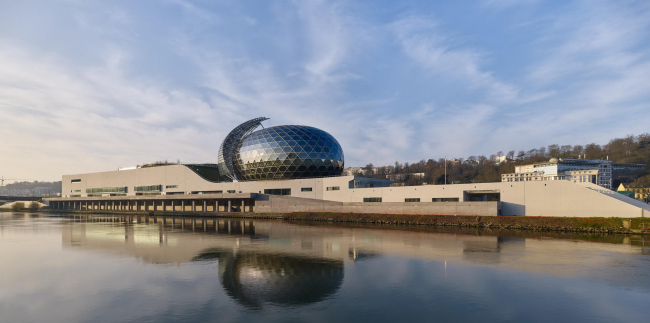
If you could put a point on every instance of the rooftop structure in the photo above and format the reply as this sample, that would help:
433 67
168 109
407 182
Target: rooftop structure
281 152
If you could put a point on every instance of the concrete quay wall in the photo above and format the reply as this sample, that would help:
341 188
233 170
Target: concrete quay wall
288 204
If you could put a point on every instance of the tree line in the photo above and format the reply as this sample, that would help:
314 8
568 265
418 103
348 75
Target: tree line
480 169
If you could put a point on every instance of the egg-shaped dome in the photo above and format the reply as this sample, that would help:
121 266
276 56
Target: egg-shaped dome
287 152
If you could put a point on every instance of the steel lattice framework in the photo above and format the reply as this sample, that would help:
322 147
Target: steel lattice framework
228 146
287 152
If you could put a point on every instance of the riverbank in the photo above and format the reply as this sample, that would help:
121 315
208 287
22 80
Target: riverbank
168 214
562 224
530 223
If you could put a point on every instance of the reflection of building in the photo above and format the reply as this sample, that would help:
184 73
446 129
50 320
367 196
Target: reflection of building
253 255
254 278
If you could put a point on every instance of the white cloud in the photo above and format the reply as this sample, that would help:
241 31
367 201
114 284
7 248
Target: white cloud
422 41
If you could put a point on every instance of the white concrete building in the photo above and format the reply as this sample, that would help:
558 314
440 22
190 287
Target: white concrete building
156 189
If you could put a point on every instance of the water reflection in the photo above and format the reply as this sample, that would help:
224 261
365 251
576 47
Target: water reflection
254 278
246 247
107 268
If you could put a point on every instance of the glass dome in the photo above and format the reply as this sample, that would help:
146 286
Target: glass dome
287 152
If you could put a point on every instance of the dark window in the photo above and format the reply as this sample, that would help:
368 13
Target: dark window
333 188
278 191
75 181
412 200
372 199
206 192
171 186
305 189
444 199
148 188
230 191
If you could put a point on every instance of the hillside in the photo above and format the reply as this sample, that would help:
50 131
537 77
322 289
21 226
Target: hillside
476 169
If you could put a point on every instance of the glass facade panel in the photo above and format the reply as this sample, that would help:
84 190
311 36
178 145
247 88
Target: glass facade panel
372 199
278 191
299 151
100 190
148 188
444 199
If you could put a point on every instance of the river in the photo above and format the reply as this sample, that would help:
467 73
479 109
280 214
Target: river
82 268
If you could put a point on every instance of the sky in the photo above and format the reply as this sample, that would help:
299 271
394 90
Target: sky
91 86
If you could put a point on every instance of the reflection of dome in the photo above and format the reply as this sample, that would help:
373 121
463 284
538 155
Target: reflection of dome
254 279
286 152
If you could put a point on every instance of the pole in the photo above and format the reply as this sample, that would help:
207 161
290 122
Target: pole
445 170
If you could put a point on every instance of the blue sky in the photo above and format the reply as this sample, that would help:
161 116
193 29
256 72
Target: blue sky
89 86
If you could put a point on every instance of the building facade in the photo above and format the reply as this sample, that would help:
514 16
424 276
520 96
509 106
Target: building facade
596 171
228 186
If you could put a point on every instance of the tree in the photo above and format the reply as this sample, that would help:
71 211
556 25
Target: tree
368 170
521 155
33 206
17 206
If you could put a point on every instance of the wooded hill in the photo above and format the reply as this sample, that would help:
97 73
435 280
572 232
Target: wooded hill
480 169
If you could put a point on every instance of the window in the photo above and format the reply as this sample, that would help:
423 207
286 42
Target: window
207 192
412 200
230 191
75 181
372 199
148 193
75 195
305 189
333 188
171 186
100 190
76 191
444 199
278 191
148 188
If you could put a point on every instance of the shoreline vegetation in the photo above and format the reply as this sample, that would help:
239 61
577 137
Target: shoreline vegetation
528 223
531 223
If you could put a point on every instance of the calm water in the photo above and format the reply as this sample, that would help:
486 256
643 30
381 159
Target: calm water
117 269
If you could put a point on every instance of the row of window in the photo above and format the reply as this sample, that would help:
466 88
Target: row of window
415 199
121 189
148 188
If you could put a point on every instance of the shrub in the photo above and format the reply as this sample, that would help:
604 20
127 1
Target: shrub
33 206
18 206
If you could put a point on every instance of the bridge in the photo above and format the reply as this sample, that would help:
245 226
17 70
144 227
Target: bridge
20 198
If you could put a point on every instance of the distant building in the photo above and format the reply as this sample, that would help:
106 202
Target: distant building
402 177
637 192
351 171
596 171
499 160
